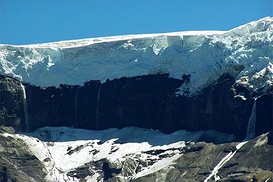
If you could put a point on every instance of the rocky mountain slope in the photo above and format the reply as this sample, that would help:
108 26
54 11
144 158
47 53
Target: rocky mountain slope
132 154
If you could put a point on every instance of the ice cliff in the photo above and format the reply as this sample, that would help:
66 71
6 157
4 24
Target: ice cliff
245 52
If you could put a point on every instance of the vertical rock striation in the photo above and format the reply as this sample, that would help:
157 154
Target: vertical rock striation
144 101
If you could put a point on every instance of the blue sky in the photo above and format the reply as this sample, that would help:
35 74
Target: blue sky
37 21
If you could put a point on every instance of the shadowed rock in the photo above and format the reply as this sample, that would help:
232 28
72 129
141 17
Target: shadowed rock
144 101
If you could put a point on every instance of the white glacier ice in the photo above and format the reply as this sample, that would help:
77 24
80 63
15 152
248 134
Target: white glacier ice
245 52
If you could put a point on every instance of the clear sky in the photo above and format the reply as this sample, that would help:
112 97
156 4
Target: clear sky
37 21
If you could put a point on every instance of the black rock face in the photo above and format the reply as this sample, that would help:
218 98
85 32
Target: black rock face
144 101
138 101
264 114
11 103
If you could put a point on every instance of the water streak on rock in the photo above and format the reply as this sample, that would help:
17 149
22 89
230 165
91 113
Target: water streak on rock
25 106
250 133
76 108
98 108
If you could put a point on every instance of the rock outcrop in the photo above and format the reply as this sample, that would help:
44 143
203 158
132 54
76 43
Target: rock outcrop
17 163
199 160
145 101
11 104
100 157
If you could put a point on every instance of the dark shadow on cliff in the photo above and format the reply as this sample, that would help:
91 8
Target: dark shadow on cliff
148 101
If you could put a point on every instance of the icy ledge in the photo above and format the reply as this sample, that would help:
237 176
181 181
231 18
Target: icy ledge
245 52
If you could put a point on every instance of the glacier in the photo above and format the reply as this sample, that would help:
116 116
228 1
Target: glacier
245 52
129 153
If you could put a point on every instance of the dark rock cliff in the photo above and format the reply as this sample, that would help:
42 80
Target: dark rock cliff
144 101
11 103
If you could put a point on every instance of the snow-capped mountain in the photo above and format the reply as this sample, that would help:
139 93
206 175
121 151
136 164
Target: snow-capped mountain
182 106
245 52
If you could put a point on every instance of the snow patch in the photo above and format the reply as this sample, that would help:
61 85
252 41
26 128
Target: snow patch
223 161
250 133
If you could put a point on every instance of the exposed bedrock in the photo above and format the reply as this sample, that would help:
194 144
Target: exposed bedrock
144 101
11 103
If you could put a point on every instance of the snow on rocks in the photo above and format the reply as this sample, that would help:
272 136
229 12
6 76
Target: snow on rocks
245 52
137 152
